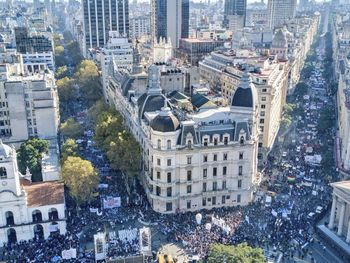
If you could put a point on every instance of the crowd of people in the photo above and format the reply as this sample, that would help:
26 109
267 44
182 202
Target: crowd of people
285 224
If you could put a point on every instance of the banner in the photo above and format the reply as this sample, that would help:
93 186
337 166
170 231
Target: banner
111 202
103 186
53 228
145 240
100 246
69 254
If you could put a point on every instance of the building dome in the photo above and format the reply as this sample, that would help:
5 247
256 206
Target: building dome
280 39
165 121
5 150
150 103
245 94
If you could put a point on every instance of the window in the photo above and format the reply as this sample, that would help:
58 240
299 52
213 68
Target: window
264 90
238 198
204 187
214 200
240 170
260 144
169 177
263 98
262 113
215 141
215 171
262 121
241 140
263 106
189 204
189 159
3 173
37 216
224 157
204 201
151 175
223 185
261 128
158 191
205 172
158 161
169 207
189 144
215 186
239 183
241 155
225 140
205 158
189 175
224 170
205 142
215 157
223 199
168 191
189 189
158 175
169 162
168 144
159 144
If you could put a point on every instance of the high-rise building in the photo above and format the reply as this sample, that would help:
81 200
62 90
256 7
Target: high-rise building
235 8
280 11
170 19
100 17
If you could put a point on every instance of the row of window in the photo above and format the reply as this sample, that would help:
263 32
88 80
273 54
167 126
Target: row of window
205 173
205 158
36 216
205 201
189 188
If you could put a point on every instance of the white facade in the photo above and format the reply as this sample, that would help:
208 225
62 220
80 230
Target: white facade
162 51
27 210
140 26
36 62
196 160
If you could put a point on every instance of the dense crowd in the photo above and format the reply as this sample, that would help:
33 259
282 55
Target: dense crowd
284 224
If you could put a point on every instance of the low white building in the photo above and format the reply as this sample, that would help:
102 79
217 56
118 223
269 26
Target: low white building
162 51
27 210
36 62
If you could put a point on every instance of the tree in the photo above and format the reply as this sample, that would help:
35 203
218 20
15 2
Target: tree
74 53
241 253
71 129
69 148
59 56
67 36
97 110
124 154
29 156
61 72
87 77
66 90
81 179
301 89
326 120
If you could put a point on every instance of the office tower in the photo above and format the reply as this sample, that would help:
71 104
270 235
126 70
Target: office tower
236 8
170 19
102 16
280 11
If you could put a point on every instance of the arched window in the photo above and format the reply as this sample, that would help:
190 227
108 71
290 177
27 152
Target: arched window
53 214
3 173
189 144
9 218
37 216
38 231
168 144
241 140
159 144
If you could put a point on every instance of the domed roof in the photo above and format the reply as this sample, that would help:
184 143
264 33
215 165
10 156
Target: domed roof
280 39
243 96
5 150
165 121
150 103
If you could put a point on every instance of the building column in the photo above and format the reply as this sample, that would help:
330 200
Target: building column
341 218
332 217
348 234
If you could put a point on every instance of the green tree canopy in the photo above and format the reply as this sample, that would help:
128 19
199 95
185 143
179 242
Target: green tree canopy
71 129
69 148
97 110
61 72
301 89
29 156
81 179
241 253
